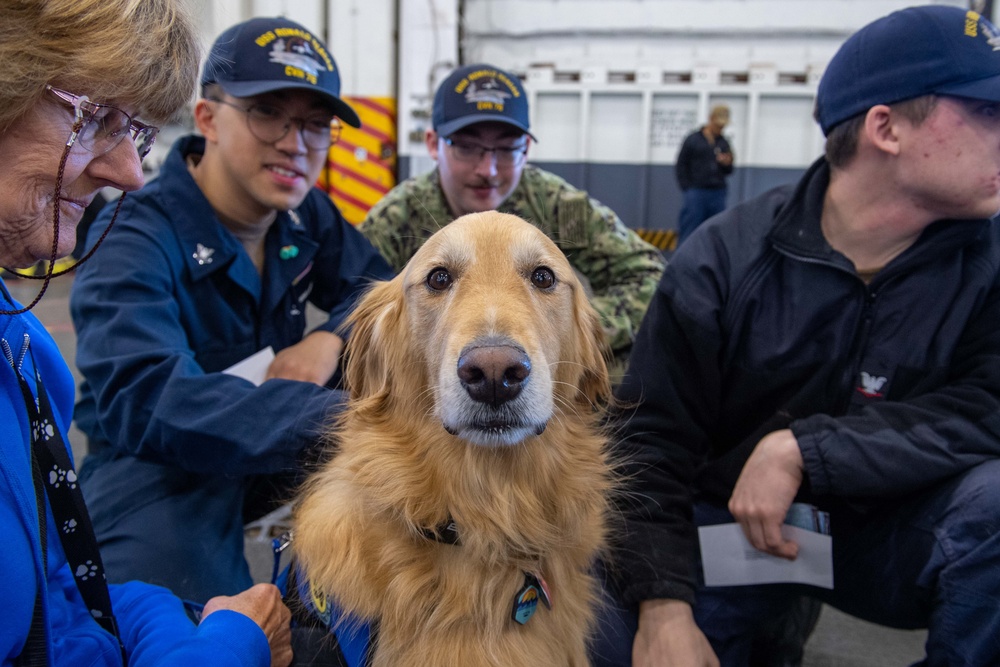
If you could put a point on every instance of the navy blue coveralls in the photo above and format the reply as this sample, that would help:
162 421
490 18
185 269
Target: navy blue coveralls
169 301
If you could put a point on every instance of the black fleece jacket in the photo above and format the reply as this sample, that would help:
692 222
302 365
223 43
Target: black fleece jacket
758 324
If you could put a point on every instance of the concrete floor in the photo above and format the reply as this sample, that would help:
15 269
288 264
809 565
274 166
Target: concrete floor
843 641
838 641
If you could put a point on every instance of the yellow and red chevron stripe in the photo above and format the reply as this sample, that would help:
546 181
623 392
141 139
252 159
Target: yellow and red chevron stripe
361 166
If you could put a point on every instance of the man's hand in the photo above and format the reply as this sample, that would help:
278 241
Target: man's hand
669 637
313 359
765 490
263 605
725 159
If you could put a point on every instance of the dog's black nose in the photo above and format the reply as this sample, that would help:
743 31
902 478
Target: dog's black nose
493 374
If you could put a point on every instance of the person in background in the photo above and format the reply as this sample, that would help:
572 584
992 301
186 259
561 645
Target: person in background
835 343
703 163
480 141
77 76
211 263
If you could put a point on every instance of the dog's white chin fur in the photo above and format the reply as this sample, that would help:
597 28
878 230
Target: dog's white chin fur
500 436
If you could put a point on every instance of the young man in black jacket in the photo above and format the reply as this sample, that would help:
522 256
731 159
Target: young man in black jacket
837 343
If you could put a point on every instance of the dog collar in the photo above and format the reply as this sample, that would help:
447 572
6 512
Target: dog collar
446 533
526 599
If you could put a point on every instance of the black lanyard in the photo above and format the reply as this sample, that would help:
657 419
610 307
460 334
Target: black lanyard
54 471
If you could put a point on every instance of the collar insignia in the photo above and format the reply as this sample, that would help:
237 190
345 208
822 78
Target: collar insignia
203 255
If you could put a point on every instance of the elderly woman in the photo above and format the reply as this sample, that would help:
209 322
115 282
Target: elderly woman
76 75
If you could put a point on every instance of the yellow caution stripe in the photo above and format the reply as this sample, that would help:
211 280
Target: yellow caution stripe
361 166
664 239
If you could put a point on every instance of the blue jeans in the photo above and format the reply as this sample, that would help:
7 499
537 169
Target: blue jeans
931 560
700 204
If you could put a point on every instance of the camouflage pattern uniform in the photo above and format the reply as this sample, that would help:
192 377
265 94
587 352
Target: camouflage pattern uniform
621 268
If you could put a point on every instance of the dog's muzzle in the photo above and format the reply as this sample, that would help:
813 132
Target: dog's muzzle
494 374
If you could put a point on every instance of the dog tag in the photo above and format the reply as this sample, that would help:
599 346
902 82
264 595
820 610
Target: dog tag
526 600
543 589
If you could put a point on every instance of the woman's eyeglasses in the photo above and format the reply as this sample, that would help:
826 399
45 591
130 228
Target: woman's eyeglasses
270 124
104 126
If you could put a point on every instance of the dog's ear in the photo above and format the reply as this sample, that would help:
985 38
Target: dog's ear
374 346
594 385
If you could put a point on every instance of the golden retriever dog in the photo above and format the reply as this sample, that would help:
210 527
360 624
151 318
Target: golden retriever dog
470 483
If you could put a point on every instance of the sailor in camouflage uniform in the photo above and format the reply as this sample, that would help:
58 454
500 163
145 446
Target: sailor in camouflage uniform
480 142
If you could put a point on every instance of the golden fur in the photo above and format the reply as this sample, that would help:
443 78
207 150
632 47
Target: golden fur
522 501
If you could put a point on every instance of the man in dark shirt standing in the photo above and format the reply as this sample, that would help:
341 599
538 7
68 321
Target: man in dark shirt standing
703 163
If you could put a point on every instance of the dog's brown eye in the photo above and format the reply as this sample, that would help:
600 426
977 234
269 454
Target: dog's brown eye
543 278
439 279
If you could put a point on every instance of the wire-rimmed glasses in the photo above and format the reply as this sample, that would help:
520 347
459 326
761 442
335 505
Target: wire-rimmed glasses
104 126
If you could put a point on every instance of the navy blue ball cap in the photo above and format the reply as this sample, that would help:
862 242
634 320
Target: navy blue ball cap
479 94
267 54
930 49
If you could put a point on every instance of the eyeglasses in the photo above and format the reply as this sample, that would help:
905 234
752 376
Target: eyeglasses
102 126
506 156
270 124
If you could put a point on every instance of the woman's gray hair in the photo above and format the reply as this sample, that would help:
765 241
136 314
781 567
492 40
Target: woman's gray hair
139 54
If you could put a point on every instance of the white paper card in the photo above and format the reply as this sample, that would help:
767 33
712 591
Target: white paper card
729 559
254 367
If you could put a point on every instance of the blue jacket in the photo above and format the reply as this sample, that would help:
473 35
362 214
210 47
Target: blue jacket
759 325
171 299
154 626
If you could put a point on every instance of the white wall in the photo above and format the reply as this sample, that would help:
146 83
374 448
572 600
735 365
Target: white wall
621 81
428 51
675 34
361 35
